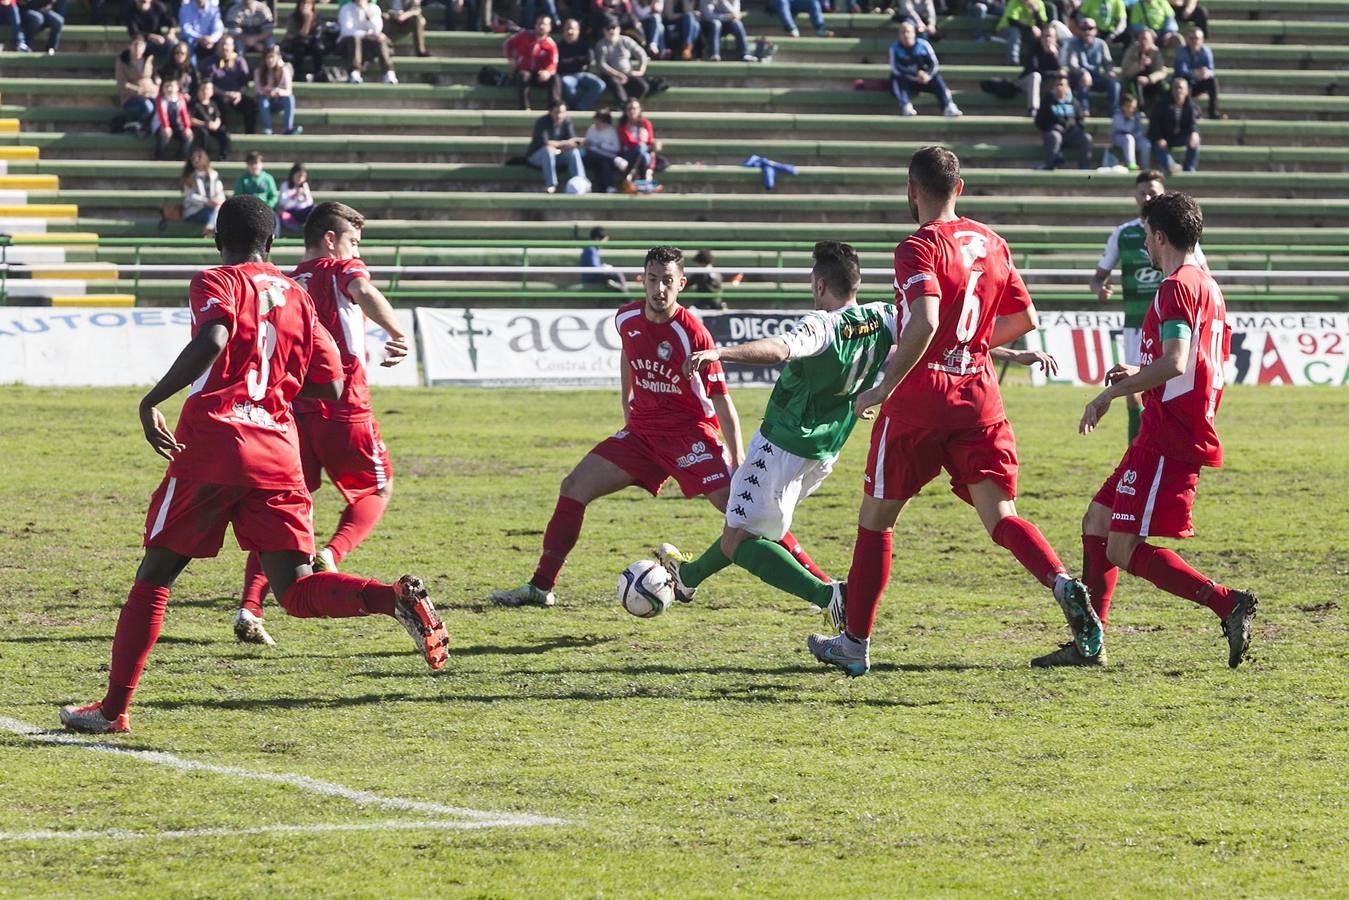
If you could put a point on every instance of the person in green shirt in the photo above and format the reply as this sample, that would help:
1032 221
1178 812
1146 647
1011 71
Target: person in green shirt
257 182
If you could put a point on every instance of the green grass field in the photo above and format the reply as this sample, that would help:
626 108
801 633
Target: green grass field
703 753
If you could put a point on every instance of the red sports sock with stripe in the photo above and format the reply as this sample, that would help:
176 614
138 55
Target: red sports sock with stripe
867 578
1175 576
255 584
356 523
793 546
138 628
563 530
334 595
1099 574
1030 548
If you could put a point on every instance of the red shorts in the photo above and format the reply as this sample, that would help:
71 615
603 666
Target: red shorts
696 459
352 453
903 458
189 518
1150 495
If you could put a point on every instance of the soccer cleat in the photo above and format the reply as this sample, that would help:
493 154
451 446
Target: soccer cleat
90 720
324 561
524 595
1237 627
248 629
414 611
841 651
1068 655
837 609
1082 619
668 555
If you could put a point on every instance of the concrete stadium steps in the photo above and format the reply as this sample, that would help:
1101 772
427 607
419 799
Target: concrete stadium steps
340 179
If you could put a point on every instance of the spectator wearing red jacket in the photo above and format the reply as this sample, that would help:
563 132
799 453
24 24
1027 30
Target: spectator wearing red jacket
171 124
533 58
637 143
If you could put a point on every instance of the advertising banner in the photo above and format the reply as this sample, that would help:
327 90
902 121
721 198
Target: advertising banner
57 347
1297 348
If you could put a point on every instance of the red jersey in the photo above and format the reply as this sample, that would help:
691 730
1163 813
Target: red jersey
236 424
969 267
527 53
326 280
1178 415
662 399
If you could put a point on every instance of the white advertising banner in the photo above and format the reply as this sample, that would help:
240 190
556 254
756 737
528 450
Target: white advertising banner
51 346
562 348
1298 348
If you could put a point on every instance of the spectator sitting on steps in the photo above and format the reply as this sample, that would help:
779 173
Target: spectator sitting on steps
1194 63
137 86
361 30
590 259
171 125
1060 121
555 138
207 123
913 68
533 58
1174 124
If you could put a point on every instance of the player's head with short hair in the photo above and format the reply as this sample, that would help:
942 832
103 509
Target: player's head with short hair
704 257
598 234
243 229
1149 183
663 278
333 229
1175 217
837 270
934 174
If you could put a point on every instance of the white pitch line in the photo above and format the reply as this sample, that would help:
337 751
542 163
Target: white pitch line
484 818
124 834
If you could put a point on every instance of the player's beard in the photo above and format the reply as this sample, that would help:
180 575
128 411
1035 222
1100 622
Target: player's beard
913 211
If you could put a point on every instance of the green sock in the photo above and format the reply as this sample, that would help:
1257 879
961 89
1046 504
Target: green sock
1135 422
770 562
704 567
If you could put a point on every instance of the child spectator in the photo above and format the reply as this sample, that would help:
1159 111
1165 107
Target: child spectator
200 25
137 86
719 14
207 122
533 58
1194 63
171 124
180 68
251 24
602 149
1128 133
621 62
1174 123
273 84
637 140
296 202
554 138
203 194
913 67
150 19
361 30
256 181
591 259
1060 121
404 16
304 38
231 78
44 14
581 89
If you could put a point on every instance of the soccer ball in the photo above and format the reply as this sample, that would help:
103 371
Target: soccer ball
645 589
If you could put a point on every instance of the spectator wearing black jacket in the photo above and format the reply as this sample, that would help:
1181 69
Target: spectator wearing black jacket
1174 124
1060 122
180 68
304 38
1040 65
581 88
207 123
150 19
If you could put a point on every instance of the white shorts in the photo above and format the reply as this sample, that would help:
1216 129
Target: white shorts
1133 346
769 484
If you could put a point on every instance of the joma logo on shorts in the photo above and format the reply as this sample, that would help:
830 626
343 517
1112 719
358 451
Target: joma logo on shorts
1123 517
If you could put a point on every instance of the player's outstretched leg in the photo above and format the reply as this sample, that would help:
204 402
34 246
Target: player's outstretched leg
679 566
1168 571
850 648
793 546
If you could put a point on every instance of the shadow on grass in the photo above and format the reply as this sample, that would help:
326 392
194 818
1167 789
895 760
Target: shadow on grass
658 669
97 639
565 642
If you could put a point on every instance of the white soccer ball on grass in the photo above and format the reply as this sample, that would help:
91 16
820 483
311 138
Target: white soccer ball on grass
645 589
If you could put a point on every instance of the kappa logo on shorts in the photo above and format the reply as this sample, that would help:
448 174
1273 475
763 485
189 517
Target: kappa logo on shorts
664 350
752 479
760 464
697 453
746 496
1126 481
740 511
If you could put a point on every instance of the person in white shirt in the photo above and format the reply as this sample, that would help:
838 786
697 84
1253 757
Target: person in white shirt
362 33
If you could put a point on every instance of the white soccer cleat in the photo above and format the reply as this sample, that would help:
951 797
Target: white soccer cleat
668 555
248 629
837 610
90 720
841 651
324 561
524 595
413 610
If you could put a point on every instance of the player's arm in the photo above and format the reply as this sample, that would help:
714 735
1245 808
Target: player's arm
194 359
1124 380
1100 282
323 377
1012 326
730 427
913 343
373 303
1028 358
1100 285
769 351
625 379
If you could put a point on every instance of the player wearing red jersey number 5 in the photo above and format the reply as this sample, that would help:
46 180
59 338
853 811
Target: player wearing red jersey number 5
958 295
1185 344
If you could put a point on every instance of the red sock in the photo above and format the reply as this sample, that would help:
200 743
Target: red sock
793 546
137 630
358 520
563 530
1172 574
1030 548
1099 574
333 595
867 579
255 585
